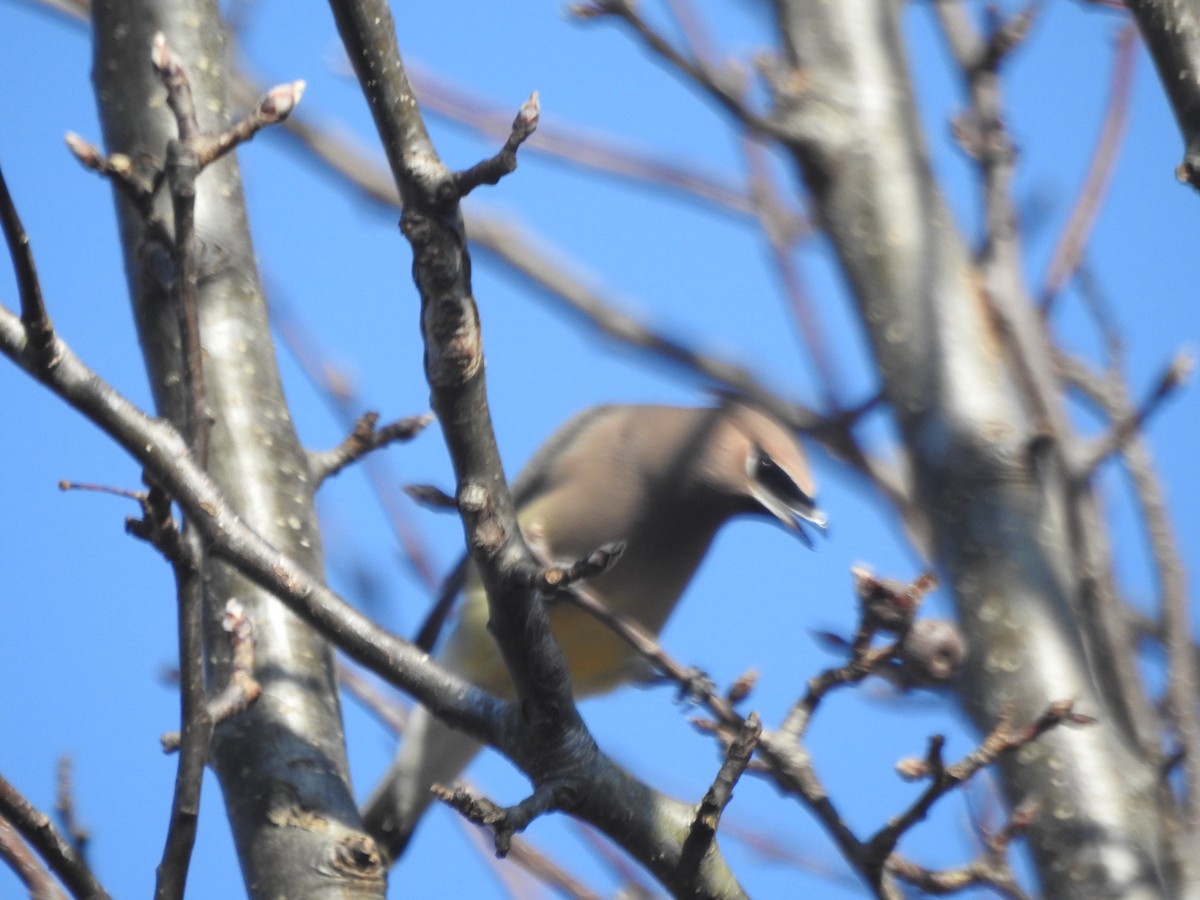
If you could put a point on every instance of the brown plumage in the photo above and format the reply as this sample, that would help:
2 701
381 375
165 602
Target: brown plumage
661 479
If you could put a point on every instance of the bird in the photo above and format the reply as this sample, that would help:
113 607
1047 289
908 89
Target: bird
661 480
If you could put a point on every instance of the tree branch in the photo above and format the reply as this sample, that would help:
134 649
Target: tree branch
26 866
364 439
36 828
1171 31
557 747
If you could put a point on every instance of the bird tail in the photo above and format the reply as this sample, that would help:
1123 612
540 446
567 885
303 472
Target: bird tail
430 753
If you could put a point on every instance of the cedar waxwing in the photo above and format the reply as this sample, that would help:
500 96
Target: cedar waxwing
662 480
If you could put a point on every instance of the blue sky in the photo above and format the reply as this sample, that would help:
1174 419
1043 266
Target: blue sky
87 613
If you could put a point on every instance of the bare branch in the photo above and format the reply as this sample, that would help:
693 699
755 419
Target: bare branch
364 439
431 497
490 171
185 552
338 389
764 191
64 806
597 562
548 730
1002 739
521 852
26 866
1068 254
387 710
1132 422
579 147
181 169
714 84
242 689
36 828
1172 34
549 872
273 108
38 327
505 822
717 797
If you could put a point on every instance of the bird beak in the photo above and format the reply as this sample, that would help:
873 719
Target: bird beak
794 514
807 513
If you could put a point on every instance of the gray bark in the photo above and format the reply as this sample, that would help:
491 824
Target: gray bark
282 764
997 499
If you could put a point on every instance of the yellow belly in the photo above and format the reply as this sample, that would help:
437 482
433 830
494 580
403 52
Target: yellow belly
598 659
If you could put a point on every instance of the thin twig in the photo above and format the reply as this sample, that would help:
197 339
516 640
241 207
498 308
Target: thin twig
138 181
1003 739
522 254
431 497
183 551
545 869
1132 422
64 806
579 147
182 167
272 108
775 848
37 829
1183 668
338 390
1071 243
26 866
38 327
491 170
696 72
772 219
885 604
364 438
197 725
632 881
763 190
242 689
390 712
504 821
395 717
717 797
692 684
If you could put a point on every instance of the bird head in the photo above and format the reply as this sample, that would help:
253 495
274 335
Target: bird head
761 464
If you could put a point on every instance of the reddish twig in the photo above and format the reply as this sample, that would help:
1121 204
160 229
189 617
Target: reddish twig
388 711
1071 243
26 866
1004 738
242 689
990 869
764 191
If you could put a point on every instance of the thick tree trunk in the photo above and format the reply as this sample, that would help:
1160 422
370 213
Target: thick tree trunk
971 408
282 764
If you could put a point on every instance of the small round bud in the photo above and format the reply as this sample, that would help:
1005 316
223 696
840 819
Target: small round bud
932 653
